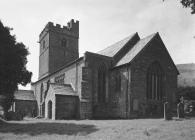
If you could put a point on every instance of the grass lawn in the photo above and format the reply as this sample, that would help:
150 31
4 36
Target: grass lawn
137 129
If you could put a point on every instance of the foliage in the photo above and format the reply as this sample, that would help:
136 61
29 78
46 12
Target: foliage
189 4
186 92
12 65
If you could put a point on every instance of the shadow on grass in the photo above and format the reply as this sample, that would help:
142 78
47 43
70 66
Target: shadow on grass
34 129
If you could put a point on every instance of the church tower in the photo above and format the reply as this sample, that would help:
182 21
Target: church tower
58 46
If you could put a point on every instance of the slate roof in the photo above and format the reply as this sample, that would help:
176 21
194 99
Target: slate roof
63 67
63 89
113 49
129 56
26 95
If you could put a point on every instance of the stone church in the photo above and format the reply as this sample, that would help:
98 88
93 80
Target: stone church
129 79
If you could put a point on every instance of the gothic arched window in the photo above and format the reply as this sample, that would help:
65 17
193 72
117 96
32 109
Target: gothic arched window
155 76
102 83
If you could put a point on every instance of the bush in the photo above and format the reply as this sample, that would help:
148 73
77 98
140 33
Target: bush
14 116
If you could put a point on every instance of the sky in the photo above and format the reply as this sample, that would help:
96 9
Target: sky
102 23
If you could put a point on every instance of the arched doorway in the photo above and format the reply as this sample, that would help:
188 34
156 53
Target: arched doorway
49 110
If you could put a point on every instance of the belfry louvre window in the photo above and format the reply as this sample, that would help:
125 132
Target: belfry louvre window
155 76
64 43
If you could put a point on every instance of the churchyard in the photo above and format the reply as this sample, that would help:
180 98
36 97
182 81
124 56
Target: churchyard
134 129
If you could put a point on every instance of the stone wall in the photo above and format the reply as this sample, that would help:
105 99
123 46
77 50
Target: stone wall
54 54
118 105
66 107
127 102
50 98
61 55
44 54
93 62
130 101
73 76
155 51
86 95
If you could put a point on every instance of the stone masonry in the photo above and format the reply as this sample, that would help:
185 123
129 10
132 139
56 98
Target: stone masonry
111 83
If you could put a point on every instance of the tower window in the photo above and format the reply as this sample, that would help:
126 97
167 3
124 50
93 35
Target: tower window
64 43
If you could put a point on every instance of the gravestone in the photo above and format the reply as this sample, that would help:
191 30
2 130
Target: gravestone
167 112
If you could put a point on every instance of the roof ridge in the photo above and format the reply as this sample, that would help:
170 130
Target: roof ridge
118 41
111 50
145 41
153 34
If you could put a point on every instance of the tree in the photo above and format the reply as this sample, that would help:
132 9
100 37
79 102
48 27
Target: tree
13 60
189 4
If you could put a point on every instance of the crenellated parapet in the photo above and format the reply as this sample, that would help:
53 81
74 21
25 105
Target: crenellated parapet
58 46
71 29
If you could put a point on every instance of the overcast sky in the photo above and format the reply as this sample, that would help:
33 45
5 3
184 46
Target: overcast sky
102 23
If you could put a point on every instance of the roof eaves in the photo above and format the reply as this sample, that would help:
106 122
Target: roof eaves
126 43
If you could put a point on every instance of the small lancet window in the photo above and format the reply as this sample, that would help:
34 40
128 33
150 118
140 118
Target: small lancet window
64 43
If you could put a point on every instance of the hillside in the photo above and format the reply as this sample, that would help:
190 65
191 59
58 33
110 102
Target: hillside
187 75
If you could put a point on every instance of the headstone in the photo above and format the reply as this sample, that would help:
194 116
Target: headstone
167 113
165 110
